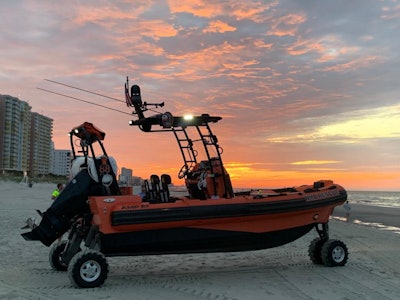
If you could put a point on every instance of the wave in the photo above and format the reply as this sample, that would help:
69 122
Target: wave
384 199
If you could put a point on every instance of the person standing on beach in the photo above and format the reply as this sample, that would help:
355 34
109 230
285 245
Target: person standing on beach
347 208
57 191
54 196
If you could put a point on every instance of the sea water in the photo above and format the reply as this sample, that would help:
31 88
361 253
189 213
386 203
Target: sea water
384 199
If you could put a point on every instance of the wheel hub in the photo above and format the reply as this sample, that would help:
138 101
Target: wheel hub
90 271
338 254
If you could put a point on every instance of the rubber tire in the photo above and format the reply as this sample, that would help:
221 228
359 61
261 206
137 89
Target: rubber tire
334 253
315 251
54 256
88 269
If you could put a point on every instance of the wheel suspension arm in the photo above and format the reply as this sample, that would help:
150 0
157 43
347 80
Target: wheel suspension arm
323 231
73 244
92 240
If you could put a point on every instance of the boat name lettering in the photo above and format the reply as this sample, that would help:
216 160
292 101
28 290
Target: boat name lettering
323 195
130 207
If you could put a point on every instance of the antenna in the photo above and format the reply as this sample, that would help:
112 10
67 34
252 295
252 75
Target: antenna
85 101
83 90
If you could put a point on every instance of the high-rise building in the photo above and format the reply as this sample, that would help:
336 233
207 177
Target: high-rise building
15 122
25 138
61 162
125 177
41 144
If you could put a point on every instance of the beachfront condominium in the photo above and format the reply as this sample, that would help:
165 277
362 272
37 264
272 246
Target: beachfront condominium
15 123
126 178
41 144
25 138
61 162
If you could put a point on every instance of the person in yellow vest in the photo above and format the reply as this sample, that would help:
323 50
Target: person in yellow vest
54 196
57 191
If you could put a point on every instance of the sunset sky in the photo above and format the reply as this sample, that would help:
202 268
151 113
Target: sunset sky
307 90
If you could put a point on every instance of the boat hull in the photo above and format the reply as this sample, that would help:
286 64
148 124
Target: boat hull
129 226
195 240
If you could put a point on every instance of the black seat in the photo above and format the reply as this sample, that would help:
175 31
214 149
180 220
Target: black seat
155 188
164 192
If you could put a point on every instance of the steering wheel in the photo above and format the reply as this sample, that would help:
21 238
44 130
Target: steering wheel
183 171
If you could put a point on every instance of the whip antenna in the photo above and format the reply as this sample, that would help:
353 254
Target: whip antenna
85 101
83 90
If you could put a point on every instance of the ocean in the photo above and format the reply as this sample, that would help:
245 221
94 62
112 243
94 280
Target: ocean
384 199
387 220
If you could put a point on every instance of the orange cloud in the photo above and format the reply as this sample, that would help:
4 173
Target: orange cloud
198 8
111 16
301 47
198 65
328 49
157 29
255 11
219 26
103 15
354 64
286 25
315 162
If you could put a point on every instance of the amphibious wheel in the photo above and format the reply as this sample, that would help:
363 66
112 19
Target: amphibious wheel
314 251
55 259
334 253
88 269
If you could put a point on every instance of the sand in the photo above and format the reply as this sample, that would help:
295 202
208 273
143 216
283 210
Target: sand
372 272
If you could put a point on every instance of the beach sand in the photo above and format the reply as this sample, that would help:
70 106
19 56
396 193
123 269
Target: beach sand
372 272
